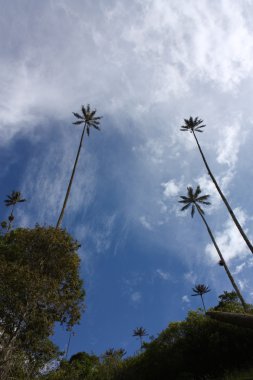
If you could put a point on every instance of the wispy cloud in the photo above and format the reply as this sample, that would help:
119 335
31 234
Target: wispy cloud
163 275
229 239
186 299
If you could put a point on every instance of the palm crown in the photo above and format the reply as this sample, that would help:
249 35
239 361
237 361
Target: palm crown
140 332
88 118
200 289
193 199
192 125
13 199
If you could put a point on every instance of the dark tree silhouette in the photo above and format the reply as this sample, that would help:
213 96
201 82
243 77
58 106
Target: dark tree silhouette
195 125
89 120
194 200
140 332
11 201
200 290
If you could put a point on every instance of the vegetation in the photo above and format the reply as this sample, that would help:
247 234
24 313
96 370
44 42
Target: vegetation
197 348
39 286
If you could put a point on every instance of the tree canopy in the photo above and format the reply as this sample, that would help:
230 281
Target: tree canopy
39 286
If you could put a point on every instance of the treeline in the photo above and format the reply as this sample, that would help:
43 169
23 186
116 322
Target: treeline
194 349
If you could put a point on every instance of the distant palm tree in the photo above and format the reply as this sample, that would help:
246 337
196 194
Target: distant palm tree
195 125
11 201
200 290
194 199
140 332
112 353
89 120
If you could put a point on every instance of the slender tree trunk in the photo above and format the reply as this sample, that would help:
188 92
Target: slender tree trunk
235 220
10 221
203 303
70 181
223 261
67 349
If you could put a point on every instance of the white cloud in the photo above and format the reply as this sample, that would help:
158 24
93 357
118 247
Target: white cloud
191 277
136 297
239 268
171 188
145 223
150 50
47 178
229 239
230 139
185 299
164 275
242 284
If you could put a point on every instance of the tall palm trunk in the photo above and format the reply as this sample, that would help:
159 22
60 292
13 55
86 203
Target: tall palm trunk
10 218
223 261
201 295
235 220
71 180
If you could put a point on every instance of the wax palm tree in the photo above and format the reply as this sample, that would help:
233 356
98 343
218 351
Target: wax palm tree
200 290
195 201
11 201
111 352
195 125
140 332
89 120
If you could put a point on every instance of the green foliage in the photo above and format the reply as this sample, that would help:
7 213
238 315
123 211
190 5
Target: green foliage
39 285
196 348
230 302
80 366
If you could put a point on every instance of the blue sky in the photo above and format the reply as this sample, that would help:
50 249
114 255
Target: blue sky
145 66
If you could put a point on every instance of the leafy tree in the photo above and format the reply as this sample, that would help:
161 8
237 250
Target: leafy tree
229 301
11 201
197 348
195 125
140 332
89 120
195 201
80 366
39 285
200 290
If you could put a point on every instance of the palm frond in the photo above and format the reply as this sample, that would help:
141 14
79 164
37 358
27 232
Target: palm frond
184 197
197 191
77 115
185 207
201 210
203 198
78 122
200 289
188 200
192 125
88 118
